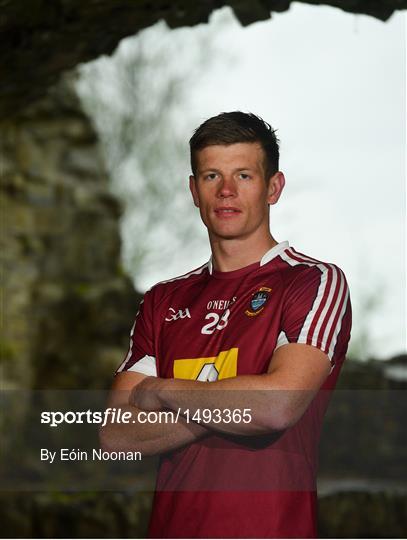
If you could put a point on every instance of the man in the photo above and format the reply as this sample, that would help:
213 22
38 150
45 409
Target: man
247 348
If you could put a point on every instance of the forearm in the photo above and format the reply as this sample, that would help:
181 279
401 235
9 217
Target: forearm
150 438
269 405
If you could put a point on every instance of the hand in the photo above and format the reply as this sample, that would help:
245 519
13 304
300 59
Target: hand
145 395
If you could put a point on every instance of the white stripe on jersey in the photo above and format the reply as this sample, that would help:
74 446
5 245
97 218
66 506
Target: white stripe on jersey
185 276
317 302
327 305
344 302
282 339
336 306
305 258
120 368
340 302
145 365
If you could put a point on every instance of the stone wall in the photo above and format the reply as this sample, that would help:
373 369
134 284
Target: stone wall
68 308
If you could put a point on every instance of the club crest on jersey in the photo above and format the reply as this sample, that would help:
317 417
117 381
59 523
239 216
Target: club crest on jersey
258 301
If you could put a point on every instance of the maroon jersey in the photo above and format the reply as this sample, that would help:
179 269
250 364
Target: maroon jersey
208 325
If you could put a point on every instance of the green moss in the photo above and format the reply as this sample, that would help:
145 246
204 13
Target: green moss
8 351
81 289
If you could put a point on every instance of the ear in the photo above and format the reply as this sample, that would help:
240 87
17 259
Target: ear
194 192
275 187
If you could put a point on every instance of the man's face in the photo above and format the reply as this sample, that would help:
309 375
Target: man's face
231 191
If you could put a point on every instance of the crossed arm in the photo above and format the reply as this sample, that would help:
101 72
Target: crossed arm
276 400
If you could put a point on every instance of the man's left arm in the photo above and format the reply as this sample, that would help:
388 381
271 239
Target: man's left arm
274 400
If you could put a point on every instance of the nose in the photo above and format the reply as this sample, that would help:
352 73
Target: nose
227 188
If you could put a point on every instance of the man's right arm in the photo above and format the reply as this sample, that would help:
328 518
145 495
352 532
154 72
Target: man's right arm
148 438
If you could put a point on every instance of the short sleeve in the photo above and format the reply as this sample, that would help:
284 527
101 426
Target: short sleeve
317 311
140 355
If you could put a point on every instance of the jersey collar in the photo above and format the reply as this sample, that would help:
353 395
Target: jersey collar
273 252
267 257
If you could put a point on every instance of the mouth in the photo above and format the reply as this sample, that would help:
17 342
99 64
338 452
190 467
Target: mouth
227 211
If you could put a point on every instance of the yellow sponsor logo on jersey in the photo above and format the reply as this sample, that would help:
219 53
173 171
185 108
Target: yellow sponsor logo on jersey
213 368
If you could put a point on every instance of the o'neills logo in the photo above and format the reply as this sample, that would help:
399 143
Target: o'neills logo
258 301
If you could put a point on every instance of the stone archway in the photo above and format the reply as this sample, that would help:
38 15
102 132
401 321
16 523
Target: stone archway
40 40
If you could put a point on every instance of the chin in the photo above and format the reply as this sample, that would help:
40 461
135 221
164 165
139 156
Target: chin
226 234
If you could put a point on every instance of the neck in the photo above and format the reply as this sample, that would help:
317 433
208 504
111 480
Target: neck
235 253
